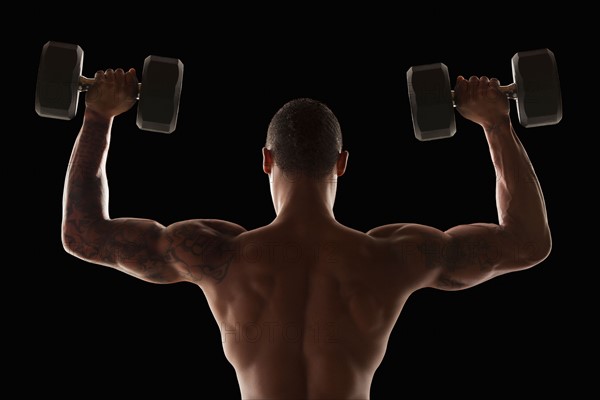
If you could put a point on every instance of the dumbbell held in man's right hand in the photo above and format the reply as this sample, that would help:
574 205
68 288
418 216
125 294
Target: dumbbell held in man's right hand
59 83
535 88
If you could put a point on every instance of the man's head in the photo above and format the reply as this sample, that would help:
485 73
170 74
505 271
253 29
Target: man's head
304 138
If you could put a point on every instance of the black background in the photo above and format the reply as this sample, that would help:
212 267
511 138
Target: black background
85 330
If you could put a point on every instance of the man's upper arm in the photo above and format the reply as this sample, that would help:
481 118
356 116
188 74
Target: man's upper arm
190 250
458 258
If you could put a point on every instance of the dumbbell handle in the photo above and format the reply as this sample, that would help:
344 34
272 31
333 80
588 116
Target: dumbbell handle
509 90
86 83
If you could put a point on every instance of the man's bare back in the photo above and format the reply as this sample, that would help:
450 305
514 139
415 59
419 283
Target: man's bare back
306 305
307 314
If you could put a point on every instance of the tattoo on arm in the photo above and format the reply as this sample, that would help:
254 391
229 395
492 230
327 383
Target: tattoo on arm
91 148
86 190
130 244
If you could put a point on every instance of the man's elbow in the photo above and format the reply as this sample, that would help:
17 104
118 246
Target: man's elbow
69 243
72 242
535 251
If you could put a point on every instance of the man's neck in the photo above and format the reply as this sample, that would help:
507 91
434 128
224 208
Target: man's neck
304 200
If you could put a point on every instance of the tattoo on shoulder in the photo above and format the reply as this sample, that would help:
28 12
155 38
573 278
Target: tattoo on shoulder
202 254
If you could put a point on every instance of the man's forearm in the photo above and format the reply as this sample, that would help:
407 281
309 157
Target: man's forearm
519 198
85 198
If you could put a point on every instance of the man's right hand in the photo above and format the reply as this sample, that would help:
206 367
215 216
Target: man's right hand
113 92
481 101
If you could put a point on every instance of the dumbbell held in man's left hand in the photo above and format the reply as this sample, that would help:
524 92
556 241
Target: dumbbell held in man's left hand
536 90
60 81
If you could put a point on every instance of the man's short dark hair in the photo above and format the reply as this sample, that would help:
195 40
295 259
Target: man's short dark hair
305 138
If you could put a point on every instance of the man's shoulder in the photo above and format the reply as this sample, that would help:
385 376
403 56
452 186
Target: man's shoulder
402 230
208 226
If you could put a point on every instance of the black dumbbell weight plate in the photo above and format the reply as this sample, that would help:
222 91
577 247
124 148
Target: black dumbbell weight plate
57 88
431 102
160 93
